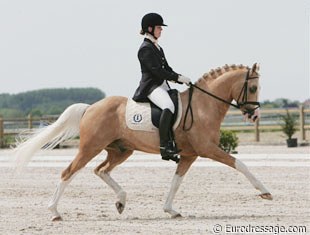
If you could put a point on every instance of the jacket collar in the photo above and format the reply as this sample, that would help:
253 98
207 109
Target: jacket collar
153 40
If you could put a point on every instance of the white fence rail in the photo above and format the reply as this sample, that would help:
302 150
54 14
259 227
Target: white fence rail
270 120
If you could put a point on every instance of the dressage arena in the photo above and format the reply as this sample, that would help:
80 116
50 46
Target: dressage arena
212 198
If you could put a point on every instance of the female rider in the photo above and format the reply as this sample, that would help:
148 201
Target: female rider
153 85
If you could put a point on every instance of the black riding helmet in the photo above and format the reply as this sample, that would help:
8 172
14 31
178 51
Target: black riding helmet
151 20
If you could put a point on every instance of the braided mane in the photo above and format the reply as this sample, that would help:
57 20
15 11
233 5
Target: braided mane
215 73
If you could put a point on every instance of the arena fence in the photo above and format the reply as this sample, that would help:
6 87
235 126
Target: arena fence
270 120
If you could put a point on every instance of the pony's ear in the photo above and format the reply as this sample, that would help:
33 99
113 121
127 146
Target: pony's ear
255 68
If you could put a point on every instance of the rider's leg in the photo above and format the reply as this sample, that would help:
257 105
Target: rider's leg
161 98
167 149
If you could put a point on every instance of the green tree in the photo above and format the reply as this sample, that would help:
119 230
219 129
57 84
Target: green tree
228 140
46 101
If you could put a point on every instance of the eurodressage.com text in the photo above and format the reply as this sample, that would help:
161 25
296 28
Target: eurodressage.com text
259 229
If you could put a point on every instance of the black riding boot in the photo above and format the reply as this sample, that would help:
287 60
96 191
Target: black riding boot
168 148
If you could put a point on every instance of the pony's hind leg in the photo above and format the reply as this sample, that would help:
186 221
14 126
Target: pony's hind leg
66 177
52 206
114 158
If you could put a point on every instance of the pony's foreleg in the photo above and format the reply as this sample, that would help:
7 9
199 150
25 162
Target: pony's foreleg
240 166
183 166
114 158
175 184
223 157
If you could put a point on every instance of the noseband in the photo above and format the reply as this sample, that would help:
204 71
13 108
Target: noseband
239 105
244 94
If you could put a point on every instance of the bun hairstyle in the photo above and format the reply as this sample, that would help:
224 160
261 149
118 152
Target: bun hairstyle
142 32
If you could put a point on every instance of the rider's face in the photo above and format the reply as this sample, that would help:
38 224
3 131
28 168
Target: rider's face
157 30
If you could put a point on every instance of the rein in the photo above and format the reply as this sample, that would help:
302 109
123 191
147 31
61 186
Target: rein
244 101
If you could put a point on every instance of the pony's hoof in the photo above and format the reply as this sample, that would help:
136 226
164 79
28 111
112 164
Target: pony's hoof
120 207
56 218
266 196
177 216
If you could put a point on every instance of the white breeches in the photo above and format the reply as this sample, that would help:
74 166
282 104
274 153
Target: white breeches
161 98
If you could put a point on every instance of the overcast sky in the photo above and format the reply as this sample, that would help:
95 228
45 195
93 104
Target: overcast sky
94 43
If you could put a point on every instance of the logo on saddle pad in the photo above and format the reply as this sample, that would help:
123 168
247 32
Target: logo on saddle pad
139 116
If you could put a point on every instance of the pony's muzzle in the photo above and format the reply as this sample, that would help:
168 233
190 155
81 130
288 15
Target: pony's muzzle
251 114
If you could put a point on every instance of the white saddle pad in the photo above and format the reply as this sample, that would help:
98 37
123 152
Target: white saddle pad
138 116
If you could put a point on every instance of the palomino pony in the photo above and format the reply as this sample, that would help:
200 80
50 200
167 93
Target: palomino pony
103 126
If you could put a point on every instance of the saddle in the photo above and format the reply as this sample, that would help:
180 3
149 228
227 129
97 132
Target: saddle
145 116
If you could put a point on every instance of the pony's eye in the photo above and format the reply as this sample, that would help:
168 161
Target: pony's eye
253 89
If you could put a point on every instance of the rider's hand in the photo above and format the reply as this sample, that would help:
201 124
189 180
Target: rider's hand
184 79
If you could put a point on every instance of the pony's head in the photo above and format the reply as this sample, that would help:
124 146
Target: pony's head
247 93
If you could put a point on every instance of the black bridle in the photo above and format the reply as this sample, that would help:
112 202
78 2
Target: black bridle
243 96
244 93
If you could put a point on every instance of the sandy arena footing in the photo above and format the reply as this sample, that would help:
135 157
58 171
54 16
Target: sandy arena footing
213 198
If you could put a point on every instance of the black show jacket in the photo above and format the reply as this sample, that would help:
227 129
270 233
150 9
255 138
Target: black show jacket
155 70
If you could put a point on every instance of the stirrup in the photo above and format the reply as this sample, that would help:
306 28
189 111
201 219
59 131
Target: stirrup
169 151
169 154
171 157
173 147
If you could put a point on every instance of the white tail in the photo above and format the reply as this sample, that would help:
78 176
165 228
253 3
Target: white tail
66 127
